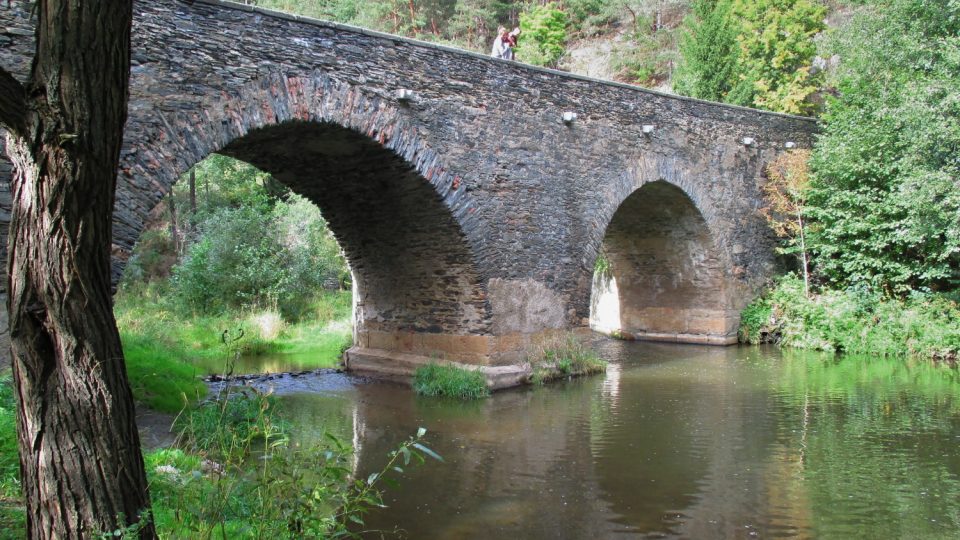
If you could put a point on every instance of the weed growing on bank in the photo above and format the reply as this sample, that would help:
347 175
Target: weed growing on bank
854 321
236 475
562 357
444 380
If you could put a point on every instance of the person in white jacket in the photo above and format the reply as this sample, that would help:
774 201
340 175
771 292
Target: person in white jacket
501 47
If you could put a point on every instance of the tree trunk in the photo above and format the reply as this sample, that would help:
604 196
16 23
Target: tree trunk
80 458
193 200
174 228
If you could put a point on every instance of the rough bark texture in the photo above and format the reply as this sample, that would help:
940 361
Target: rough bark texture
80 458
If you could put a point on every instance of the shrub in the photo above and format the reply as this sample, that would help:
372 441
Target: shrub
445 380
857 320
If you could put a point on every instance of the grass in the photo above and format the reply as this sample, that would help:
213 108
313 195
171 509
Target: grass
154 331
159 377
12 517
563 357
444 380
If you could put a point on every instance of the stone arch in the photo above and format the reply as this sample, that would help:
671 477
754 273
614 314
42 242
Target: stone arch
665 276
402 217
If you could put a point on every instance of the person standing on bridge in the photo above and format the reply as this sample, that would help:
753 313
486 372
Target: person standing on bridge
510 42
501 46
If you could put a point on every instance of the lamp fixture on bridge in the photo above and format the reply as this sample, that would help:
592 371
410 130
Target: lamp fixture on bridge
748 141
569 117
404 94
789 145
647 129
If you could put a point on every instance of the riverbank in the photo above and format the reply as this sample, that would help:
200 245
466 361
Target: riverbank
855 321
167 352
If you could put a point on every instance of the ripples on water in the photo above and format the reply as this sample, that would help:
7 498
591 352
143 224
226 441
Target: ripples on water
672 442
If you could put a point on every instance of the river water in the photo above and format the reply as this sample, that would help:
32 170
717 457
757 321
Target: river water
672 442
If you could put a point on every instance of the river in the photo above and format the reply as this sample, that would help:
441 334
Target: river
672 442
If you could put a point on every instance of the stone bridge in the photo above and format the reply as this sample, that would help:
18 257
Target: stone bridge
470 204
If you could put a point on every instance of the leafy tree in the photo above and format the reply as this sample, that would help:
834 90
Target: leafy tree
776 51
80 462
544 35
474 22
885 193
708 52
786 192
751 52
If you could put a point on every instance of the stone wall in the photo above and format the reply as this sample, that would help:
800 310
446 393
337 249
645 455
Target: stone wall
471 212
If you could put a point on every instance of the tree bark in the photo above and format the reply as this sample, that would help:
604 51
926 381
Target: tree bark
193 200
174 228
80 459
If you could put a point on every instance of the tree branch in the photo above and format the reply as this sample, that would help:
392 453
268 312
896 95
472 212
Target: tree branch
13 103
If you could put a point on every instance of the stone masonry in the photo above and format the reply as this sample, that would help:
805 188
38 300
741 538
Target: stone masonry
470 212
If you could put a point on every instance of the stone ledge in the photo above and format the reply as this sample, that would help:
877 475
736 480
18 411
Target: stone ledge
399 367
695 339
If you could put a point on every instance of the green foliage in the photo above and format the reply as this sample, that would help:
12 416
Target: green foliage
157 339
561 357
884 194
544 35
756 53
225 429
288 492
857 321
776 51
708 52
755 322
250 258
445 380
12 520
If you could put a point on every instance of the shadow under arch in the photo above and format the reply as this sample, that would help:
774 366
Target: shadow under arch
413 266
661 276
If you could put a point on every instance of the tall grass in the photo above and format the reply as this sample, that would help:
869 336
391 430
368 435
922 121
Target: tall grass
237 476
563 356
444 380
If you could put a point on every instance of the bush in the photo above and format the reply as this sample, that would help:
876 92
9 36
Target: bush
247 258
857 320
443 380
